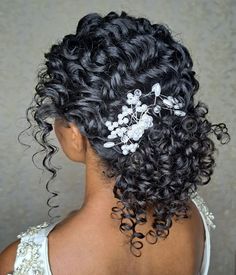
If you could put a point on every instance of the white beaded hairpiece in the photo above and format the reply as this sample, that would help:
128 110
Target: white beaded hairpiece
137 125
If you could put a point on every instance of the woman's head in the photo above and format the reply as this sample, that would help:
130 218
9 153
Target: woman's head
85 82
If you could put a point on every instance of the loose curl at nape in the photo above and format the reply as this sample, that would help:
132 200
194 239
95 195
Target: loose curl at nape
86 78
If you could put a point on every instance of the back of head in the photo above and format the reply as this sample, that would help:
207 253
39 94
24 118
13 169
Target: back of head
86 79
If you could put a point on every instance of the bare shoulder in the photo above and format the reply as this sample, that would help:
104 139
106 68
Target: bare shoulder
7 258
188 234
182 251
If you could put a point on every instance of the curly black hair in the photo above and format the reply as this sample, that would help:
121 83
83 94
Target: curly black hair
85 80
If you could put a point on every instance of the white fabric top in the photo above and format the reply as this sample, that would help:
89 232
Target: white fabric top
207 218
32 251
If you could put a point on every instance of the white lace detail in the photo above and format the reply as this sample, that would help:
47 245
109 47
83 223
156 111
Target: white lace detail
28 251
32 230
204 210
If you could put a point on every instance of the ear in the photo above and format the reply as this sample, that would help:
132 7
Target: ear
79 140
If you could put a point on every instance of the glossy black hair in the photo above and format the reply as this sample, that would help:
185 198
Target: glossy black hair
85 80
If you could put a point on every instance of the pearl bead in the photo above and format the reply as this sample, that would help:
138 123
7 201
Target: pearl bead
130 111
144 106
124 138
125 120
129 101
124 108
157 109
132 149
137 92
108 123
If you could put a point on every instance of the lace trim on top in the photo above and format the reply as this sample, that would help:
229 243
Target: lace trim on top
28 252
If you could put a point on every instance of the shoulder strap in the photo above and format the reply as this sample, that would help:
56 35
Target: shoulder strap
29 255
207 218
49 228
203 208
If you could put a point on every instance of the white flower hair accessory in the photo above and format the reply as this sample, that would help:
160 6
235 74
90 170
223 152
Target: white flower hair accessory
130 126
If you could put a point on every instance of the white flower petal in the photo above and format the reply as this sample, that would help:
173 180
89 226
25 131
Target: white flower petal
171 99
156 88
167 103
179 113
109 144
176 106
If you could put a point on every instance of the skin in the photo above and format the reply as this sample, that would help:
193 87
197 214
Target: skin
89 242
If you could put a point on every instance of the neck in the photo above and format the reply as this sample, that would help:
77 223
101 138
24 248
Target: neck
99 198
